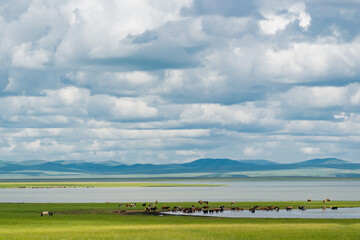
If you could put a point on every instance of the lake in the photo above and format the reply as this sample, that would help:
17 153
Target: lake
341 213
235 191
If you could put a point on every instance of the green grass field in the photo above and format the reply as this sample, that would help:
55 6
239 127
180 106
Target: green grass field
97 221
97 184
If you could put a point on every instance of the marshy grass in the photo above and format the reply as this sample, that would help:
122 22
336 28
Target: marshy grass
96 221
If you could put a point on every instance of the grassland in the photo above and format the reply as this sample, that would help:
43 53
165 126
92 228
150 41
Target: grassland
97 221
96 184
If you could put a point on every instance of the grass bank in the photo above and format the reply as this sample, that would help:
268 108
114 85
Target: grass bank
96 184
97 221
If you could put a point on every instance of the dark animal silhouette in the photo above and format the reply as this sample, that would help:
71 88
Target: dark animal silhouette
303 208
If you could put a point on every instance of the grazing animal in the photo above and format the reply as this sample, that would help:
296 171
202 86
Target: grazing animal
237 209
121 204
165 208
303 208
232 203
323 201
153 209
323 208
252 210
334 208
205 211
206 202
200 202
144 204
289 208
156 202
328 200
46 213
308 200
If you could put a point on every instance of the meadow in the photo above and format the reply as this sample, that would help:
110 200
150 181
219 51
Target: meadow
97 221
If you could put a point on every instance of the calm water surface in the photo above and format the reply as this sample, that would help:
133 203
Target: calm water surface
341 213
236 191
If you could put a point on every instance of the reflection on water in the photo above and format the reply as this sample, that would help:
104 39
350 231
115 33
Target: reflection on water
236 191
341 213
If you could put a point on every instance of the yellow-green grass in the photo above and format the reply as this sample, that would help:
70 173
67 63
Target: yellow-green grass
96 221
97 184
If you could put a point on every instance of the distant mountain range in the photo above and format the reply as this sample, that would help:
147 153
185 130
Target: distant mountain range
207 167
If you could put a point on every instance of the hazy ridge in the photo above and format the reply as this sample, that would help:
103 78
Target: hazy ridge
206 167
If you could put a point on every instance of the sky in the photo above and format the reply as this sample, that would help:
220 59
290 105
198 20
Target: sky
147 81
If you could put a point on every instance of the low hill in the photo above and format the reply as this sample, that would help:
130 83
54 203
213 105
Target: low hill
209 166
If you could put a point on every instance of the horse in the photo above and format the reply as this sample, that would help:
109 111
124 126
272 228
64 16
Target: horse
46 213
303 208
198 209
252 210
289 208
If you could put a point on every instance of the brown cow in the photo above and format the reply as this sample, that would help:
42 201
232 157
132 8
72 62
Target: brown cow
328 200
308 200
166 208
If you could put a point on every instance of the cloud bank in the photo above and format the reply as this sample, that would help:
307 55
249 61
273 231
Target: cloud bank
151 81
